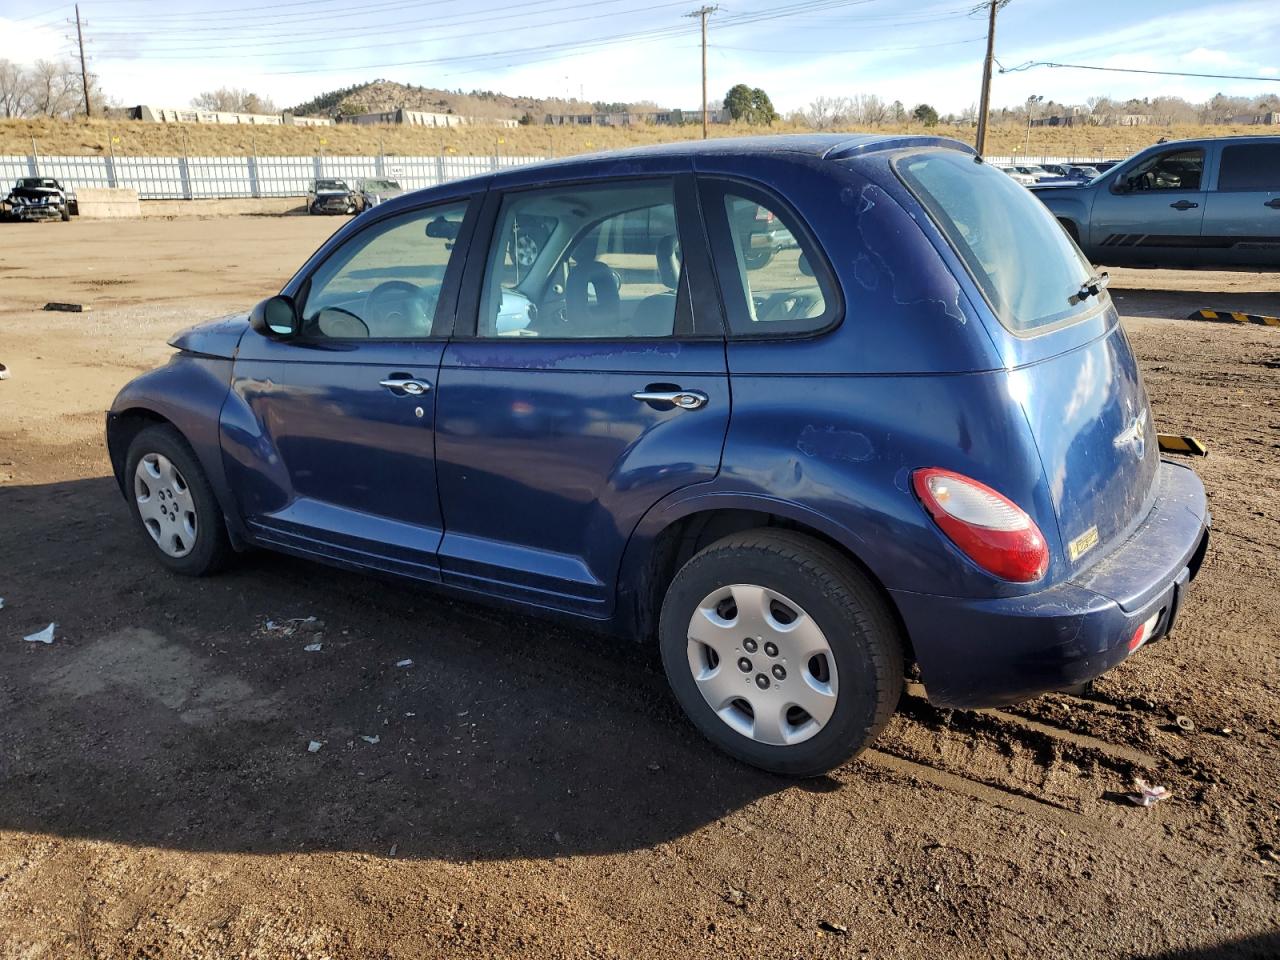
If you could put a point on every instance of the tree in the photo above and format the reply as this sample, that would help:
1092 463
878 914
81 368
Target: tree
869 109
897 112
233 100
926 115
749 104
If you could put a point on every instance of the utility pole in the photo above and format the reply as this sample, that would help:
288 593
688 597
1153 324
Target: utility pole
84 71
703 12
984 105
1031 106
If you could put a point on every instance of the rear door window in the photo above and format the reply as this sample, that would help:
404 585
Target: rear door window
1027 267
1250 167
774 280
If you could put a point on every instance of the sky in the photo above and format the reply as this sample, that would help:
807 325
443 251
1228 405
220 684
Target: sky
164 52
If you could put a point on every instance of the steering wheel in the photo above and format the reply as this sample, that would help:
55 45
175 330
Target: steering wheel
397 308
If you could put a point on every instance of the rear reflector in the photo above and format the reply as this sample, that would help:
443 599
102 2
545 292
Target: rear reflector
988 527
1144 631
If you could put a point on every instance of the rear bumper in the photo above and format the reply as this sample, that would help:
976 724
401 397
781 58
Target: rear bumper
982 653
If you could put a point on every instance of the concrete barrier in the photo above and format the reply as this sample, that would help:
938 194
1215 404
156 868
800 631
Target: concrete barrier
239 207
107 203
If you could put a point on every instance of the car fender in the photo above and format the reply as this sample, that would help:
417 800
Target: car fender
1070 204
189 393
632 585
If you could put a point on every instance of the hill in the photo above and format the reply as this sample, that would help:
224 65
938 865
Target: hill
381 96
136 138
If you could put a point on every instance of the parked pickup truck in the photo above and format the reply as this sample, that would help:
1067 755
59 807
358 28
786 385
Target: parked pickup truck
38 198
1184 203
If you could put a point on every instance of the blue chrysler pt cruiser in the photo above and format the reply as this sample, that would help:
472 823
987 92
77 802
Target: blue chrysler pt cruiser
804 411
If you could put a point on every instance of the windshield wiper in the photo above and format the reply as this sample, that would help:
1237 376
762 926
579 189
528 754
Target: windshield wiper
1092 287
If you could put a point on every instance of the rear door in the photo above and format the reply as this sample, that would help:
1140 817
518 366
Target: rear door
592 383
1242 215
329 436
1152 210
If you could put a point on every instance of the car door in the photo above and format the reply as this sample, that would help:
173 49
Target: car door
591 383
329 435
1242 215
1151 210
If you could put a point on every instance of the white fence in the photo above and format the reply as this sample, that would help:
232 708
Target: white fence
189 178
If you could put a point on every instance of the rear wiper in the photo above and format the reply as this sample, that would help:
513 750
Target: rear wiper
1090 288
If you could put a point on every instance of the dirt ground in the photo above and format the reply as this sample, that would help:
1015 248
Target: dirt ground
534 791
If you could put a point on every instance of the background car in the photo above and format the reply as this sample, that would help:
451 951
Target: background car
331 196
371 192
38 198
1018 176
917 435
1183 203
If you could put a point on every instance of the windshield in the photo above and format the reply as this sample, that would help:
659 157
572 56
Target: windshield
330 185
30 182
378 186
1028 268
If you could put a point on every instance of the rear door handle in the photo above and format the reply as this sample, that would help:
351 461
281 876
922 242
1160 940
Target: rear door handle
1184 205
684 399
1273 204
414 388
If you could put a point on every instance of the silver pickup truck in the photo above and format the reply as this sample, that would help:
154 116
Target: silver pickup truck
1211 202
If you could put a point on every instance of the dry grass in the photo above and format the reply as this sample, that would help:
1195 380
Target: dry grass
135 138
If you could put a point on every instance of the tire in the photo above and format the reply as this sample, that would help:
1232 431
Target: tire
179 503
1071 229
822 589
756 259
66 215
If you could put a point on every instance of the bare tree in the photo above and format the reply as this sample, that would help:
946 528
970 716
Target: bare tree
233 100
54 89
15 93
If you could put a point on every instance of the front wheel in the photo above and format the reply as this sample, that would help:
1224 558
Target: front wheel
173 504
781 652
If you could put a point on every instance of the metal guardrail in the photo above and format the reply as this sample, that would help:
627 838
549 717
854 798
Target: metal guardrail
198 178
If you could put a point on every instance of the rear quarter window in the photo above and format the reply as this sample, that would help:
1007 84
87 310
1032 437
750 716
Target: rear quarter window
1251 167
1029 270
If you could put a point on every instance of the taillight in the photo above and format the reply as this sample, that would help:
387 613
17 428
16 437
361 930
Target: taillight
764 215
988 527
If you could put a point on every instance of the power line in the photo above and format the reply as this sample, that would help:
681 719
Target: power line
1161 73
917 46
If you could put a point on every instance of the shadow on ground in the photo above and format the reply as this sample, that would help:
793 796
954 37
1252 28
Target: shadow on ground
166 714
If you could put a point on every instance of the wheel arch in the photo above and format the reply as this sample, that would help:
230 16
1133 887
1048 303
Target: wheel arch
122 427
661 545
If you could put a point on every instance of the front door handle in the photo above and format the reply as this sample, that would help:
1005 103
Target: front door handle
684 399
1184 205
414 388
1273 204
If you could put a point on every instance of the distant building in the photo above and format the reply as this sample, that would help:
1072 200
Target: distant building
152 114
420 118
629 118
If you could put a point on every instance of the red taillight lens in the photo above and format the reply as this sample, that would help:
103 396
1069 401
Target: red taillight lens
989 528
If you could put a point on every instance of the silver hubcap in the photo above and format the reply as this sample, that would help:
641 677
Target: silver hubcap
165 504
762 664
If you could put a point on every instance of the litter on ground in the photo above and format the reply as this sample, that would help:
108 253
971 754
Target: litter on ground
41 636
1147 795
314 746
313 647
374 739
405 663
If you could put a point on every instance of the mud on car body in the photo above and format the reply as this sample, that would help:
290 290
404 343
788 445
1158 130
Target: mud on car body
916 435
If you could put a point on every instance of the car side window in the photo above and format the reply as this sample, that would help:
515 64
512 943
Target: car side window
1175 170
1250 167
385 282
584 262
773 265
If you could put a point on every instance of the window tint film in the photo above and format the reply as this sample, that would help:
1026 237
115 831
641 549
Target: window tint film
385 282
774 268
1176 170
1028 268
1254 167
584 262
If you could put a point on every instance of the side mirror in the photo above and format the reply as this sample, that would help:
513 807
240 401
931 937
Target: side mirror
275 317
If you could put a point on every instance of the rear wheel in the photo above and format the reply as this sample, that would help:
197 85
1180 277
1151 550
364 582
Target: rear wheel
173 504
780 651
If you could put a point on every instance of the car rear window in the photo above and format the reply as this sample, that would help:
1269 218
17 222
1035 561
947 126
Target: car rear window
1028 268
1251 167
